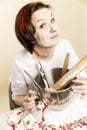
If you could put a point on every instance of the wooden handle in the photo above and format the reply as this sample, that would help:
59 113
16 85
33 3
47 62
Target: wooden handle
71 74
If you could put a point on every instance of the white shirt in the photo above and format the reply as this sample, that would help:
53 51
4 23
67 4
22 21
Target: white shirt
24 61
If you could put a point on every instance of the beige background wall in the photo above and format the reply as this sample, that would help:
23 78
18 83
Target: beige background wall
72 18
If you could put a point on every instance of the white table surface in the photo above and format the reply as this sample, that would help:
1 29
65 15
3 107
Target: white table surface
74 111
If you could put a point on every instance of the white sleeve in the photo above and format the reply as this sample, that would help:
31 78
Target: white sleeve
17 80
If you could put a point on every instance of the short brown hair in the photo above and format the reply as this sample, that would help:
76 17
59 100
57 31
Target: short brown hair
23 27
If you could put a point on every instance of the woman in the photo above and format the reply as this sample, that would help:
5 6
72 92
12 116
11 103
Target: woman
38 32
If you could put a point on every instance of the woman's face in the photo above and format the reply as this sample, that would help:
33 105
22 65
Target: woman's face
47 30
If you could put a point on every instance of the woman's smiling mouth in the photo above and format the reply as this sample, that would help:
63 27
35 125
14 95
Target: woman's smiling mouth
54 36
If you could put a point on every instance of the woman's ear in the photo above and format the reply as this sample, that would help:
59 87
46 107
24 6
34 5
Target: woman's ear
28 37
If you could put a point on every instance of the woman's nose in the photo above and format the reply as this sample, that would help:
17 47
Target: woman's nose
52 28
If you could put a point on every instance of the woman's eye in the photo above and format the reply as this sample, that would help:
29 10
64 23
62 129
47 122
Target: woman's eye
42 25
53 20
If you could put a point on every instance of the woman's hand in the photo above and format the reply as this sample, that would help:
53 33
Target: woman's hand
80 85
29 101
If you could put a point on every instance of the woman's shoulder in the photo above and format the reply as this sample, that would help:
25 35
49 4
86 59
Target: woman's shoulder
64 42
22 53
22 56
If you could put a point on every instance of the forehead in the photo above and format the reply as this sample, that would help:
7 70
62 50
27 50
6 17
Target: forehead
41 14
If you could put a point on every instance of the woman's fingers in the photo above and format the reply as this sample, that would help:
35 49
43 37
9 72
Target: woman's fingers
80 85
29 105
29 100
80 80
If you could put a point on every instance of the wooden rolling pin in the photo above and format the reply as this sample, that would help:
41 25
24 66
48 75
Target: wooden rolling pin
69 76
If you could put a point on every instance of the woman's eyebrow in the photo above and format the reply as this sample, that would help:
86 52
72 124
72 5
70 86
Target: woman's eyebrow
40 20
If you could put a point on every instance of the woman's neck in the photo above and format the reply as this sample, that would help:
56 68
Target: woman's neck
44 54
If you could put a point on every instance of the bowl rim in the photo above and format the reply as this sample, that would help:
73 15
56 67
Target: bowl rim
57 91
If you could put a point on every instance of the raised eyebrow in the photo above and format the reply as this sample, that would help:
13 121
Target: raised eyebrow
52 14
40 20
